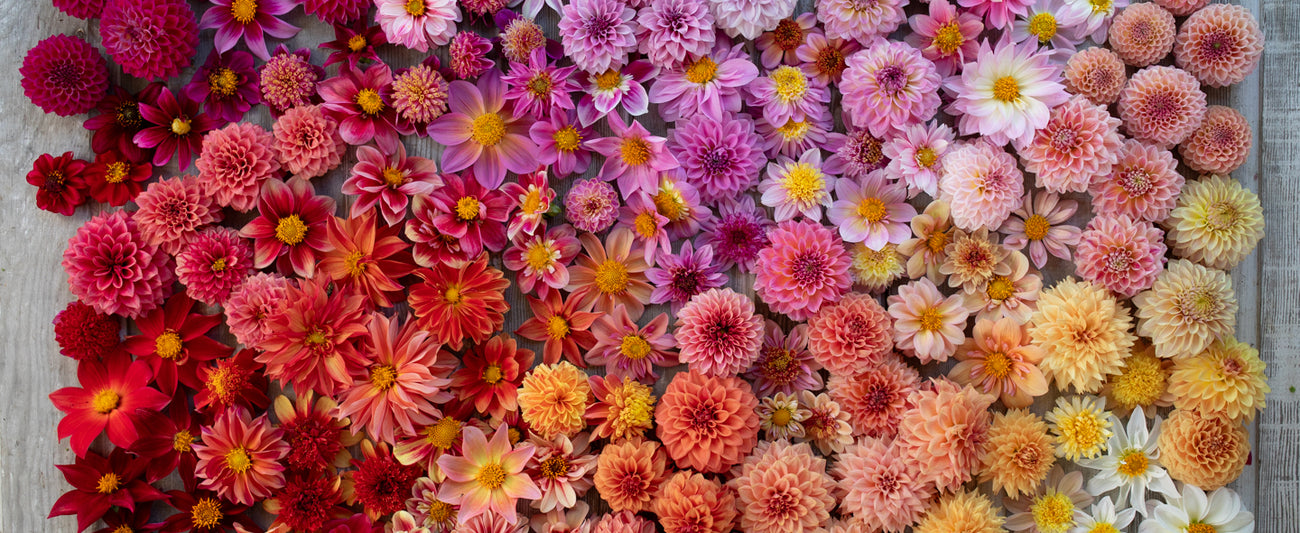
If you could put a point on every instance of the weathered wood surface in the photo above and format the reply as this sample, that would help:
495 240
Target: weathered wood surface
33 286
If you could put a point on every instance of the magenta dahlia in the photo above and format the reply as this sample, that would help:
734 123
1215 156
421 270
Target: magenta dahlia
149 39
64 75
720 157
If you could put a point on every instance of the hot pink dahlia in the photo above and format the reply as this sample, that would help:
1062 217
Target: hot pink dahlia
998 13
803 269
850 336
883 486
480 132
591 205
234 162
946 36
468 51
860 20
289 79
750 18
171 212
416 23
64 75
82 9
1120 254
251 303
633 156
718 333
598 35
336 12
721 157
1220 45
1142 34
982 184
1097 73
1221 144
113 269
361 103
1182 8
307 142
1144 184
419 95
1162 105
150 39
946 432
889 86
877 397
388 181
1007 93
671 32
251 21
213 264
1080 141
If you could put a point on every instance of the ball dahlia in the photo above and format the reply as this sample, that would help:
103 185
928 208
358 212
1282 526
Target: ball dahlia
84 333
718 333
1226 379
783 488
1162 105
234 162
850 336
688 502
64 75
307 142
1142 34
629 473
1120 254
877 398
150 39
553 399
750 18
884 487
1018 453
721 158
214 263
1144 184
804 269
1085 331
1187 308
1222 143
672 32
1220 45
1217 222
1080 141
114 269
982 183
889 86
707 423
856 20
1096 73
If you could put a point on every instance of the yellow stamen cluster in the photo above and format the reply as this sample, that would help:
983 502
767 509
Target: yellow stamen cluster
635 151
1000 288
108 483
1036 227
383 377
168 344
634 347
1133 463
1053 512
243 11
609 80
223 81
206 513
1006 89
612 277
567 139
290 230
356 263
804 183
492 374
442 434
468 208
491 476
948 39
1043 25
238 460
369 101
790 83
540 256
557 327
183 441
105 401
488 129
872 209
931 319
702 71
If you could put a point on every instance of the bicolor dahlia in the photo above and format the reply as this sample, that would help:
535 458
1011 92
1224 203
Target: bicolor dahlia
1186 309
628 474
707 423
553 399
459 302
114 395
598 35
804 269
289 79
1017 454
1120 254
489 477
1202 449
1217 222
610 275
562 469
750 18
1097 74
64 75
541 261
1041 225
1085 331
783 487
417 23
1079 141
239 457
982 184
462 209
234 162
389 181
710 84
537 88
871 211
688 502
633 157
784 364
720 157
970 512
233 381
249 20
1226 379
881 485
680 277
1007 93
1007 295
674 31
591 205
481 133
562 144
946 432
623 409
925 251
1162 105
916 157
888 87
999 359
361 102
1222 143
84 333
252 303
468 51
641 216
926 324
945 36
1142 34
857 153
718 333
973 259
149 39
1144 184
111 267
317 439
1220 45
60 182
779 46
176 129
614 89
312 339
629 350
561 326
291 227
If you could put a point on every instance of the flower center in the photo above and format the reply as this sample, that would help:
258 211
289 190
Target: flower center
925 157
611 277
357 43
1053 512
670 204
416 8
316 338
1135 181
127 115
167 345
702 71
872 209
540 256
244 11
1221 216
290 230
931 319
223 81
1101 6
1043 25
1199 304
634 347
557 327
948 39
1133 463
467 208
790 83
1103 528
787 35
488 129
646 225
492 374
804 183
116 172
635 151
1036 227
1201 528
795 129
440 512
183 441
567 139
443 434
181 126
809 269
998 365
936 242
452 295
383 377
1082 431
782 417
553 467
830 61
108 483
219 265
369 101
393 177
123 529
105 401
1006 89
491 476
891 78
206 514
238 460
1001 288
1141 383
609 80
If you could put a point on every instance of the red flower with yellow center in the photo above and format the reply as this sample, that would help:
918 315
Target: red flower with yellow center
367 257
172 340
112 394
240 458
490 377
458 302
100 482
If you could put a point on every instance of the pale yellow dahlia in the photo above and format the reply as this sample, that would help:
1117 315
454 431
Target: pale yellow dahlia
1085 332
783 488
875 269
1205 450
1081 425
1143 382
553 399
1187 308
1226 379
1018 453
964 512
1217 222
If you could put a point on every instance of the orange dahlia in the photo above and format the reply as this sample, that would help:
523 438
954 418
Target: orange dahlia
610 274
623 409
490 377
707 423
240 457
882 486
1227 379
1203 449
629 473
368 257
783 488
1018 453
311 340
691 503
946 432
455 302
553 399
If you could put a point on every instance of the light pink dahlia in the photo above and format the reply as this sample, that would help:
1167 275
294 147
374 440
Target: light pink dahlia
1162 105
804 268
671 32
877 398
998 13
113 269
946 432
1142 34
721 157
871 211
171 212
916 157
927 325
889 86
750 18
1097 73
416 23
1221 144
860 20
718 333
1040 225
598 35
788 93
1120 254
1144 184
783 488
850 336
214 262
1006 93
1220 45
1182 8
307 142
882 486
251 304
982 184
234 162
1080 141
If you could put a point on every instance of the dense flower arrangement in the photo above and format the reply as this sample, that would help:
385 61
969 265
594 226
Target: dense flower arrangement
304 362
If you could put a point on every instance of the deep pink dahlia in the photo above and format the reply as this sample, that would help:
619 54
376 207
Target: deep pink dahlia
720 157
470 213
291 227
250 20
360 102
250 304
1080 141
1162 105
718 333
737 234
82 9
234 162
982 184
598 35
1220 45
850 336
804 269
481 132
538 89
678 277
633 157
1144 184
389 181
226 84
215 262
307 142
111 267
336 12
149 39
671 32
468 51
1121 254
998 13
176 129
289 79
64 75
172 211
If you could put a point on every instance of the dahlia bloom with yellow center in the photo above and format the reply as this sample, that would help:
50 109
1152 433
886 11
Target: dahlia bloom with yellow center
489 477
1226 379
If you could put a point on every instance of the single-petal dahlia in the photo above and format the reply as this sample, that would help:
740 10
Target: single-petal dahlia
688 502
629 474
176 129
824 59
291 227
926 250
783 487
417 23
632 156
969 512
312 340
489 477
999 359
538 89
721 157
84 333
1217 222
119 120
226 84
1007 93
889 86
112 268
64 75
1144 184
115 178
876 398
779 45
946 432
463 209
591 205
946 36
489 380
239 457
1080 141
629 350
680 277
541 261
1054 507
750 18
707 423
1007 295
234 162
1018 453
614 89
1097 74
149 39
114 395
553 399
60 182
233 381
718 333
927 325
460 302
1220 509
641 217
252 303
1120 254
672 32
871 211
1142 34
610 274
784 364
563 328
289 79
915 157
562 468
1202 449
711 84
883 486
1222 143
1162 105
982 183
1041 224
1220 45
172 211
1226 379
851 335
389 181
249 20
100 483
804 269
307 142
214 263
1085 331
794 137
861 21
598 35
481 132
361 102
787 94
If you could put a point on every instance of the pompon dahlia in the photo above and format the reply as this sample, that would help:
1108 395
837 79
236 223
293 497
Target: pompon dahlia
946 432
289 79
1096 73
1144 184
876 398
1217 222
1085 331
460 302
889 86
307 142
1187 308
172 211
150 39
591 205
112 268
1220 45
1162 105
553 399
720 157
968 512
420 95
629 474
707 423
804 269
1182 8
783 487
861 21
239 457
312 340
1142 34
520 37
750 18
884 487
1226 379
64 75
82 9
1018 453
1222 143
718 333
1007 92
1120 254
234 162
672 32
214 263
468 51
1080 141
598 35
252 303
688 502
982 183
851 335
84 333
1203 449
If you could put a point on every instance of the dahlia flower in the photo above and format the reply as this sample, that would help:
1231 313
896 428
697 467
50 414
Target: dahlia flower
489 477
100 483
173 340
804 269
541 261
999 359
1222 143
783 487
961 511
1082 427
239 457
291 227
710 84
84 333
888 87
916 157
622 410
629 474
1162 105
480 133
1054 507
1131 463
688 502
537 88
553 399
312 338
877 397
671 32
1202 449
1186 309
1040 225
468 51
982 184
416 24
718 443
419 94
361 102
1017 454
1085 331
562 144
720 157
1142 34
466 211
598 35
750 18
779 46
233 164
250 21
614 89
490 376
856 154
112 268
1144 184
1120 254
407 378
784 364
629 350
946 432
1097 74
927 325
1079 141
1144 381
114 178
64 75
252 303
641 216
561 326
610 275
591 205
460 302
119 120
389 180
1007 93
718 333
1220 509
633 157
883 486
873 212
1226 379
289 79
925 251
1217 222
677 278
1055 24
737 234
60 182
176 130
562 469
1009 295
114 395
149 39
1220 45
797 188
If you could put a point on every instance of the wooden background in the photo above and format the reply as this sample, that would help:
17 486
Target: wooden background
33 285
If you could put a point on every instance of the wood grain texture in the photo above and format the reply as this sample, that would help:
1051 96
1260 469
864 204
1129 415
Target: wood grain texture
33 286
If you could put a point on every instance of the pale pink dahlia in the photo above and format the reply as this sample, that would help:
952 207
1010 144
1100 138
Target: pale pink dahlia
946 432
672 32
1220 45
598 35
234 162
171 212
850 336
1222 143
591 205
916 157
883 486
927 325
783 488
1006 93
1162 105
307 142
787 93
1040 225
1182 8
750 18
416 23
1120 254
1097 73
872 211
252 303
860 20
889 86
113 269
1080 141
1144 184
877 398
982 184
214 262
720 157
1142 34
803 269
718 333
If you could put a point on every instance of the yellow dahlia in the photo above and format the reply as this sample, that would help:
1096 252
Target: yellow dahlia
1017 454
967 512
1085 332
553 399
1143 382
875 269
1081 425
1188 307
1226 379
1205 450
1217 222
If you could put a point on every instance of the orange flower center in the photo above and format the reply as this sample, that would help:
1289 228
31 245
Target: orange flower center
443 434
492 374
567 139
206 514
488 129
1036 227
532 202
609 80
646 225
998 365
702 71
219 265
238 460
557 327
394 177
168 344
949 38
1001 288
452 295
670 204
782 417
1133 463
931 319
926 157
116 172
794 129
1201 528
491 476
383 377
553 467
355 263
540 85
540 256
108 483
357 43
872 209
105 401
440 512
634 347
244 11
183 441
468 208
290 230
1006 89
1102 527
415 8
369 101
936 242
123 529
635 151
611 277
